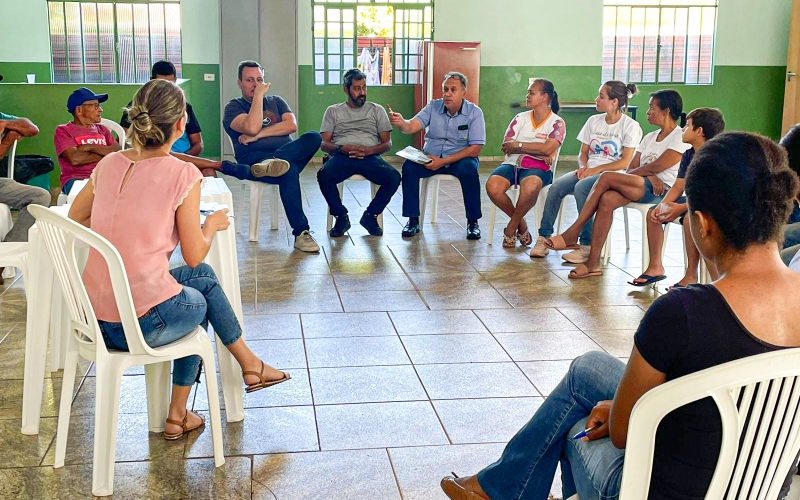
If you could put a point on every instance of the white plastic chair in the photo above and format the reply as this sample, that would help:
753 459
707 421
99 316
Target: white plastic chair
758 398
538 208
256 195
12 155
423 196
62 236
117 129
373 187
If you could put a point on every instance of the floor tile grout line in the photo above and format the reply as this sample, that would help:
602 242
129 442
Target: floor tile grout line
394 473
405 272
310 386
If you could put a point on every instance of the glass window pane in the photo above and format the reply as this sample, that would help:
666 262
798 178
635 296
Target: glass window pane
91 49
158 41
319 61
348 30
319 29
334 46
650 46
334 62
141 36
172 22
609 42
679 44
348 62
707 45
667 35
348 16
58 42
621 56
334 77
108 51
127 72
637 44
334 15
319 45
348 46
72 15
334 30
319 78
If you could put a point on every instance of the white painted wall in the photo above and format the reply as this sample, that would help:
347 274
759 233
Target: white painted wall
24 33
568 32
199 31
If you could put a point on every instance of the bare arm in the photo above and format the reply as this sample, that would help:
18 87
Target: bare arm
327 145
196 240
384 146
196 144
667 159
639 377
675 191
81 209
8 141
100 150
250 123
407 127
583 157
628 155
77 157
287 125
23 126
539 149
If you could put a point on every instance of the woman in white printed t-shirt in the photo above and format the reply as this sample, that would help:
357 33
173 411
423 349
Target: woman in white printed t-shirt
531 144
651 173
608 143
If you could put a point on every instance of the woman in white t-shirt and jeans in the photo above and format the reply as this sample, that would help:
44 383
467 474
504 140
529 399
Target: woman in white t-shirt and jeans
530 144
651 173
608 143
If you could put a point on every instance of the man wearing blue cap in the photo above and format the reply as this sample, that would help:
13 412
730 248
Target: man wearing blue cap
81 143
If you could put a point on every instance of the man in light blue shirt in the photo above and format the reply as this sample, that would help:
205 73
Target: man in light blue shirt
455 132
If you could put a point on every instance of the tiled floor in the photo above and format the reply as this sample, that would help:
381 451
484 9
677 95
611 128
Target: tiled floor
410 359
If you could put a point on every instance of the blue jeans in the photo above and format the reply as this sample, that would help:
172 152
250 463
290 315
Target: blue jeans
298 153
515 175
202 300
561 187
591 469
340 166
466 169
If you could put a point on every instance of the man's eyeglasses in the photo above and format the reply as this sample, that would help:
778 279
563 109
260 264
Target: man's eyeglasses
93 105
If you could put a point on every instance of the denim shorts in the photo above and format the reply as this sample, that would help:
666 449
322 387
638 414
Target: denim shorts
649 196
515 175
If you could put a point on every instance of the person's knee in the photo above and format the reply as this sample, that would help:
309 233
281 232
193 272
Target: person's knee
530 186
608 203
42 197
313 137
587 365
324 175
496 186
203 270
394 178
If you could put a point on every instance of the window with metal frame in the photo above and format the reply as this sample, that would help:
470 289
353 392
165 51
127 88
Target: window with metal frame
383 38
112 41
659 41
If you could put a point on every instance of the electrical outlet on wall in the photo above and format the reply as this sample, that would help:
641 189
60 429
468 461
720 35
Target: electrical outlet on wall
209 77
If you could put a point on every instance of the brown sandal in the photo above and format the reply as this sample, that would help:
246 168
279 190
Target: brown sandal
263 382
557 243
182 423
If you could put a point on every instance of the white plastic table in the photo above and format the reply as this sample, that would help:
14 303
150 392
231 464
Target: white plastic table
43 320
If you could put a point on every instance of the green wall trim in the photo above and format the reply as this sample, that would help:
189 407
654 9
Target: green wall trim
750 97
16 72
204 97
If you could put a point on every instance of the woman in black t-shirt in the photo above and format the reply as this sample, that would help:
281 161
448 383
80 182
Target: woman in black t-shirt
739 191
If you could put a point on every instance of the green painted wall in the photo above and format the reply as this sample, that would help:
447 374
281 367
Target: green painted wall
16 72
204 97
314 99
750 97
46 105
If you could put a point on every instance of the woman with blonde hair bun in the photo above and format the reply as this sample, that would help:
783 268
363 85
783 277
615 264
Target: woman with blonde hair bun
145 202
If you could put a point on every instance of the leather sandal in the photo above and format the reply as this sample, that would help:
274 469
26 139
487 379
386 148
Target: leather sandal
182 423
263 382
557 243
509 241
525 238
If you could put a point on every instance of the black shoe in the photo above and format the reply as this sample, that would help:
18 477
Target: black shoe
370 223
342 226
412 228
473 231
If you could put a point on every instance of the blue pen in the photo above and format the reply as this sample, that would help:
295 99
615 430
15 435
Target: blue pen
585 432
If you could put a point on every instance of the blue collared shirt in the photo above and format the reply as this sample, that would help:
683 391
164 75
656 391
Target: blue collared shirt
447 135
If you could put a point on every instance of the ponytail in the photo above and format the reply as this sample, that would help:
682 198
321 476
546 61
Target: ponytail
621 92
682 120
548 88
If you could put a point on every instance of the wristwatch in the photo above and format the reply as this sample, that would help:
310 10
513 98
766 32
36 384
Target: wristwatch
519 147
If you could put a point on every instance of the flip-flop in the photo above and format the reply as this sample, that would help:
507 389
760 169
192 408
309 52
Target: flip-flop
557 243
676 286
509 241
182 423
575 275
263 383
648 280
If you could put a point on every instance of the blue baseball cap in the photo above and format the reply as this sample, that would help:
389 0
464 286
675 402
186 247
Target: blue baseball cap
82 95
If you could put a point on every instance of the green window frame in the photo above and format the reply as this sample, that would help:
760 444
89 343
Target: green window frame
659 41
334 34
112 41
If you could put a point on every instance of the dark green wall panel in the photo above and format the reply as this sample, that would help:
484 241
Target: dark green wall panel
204 97
16 72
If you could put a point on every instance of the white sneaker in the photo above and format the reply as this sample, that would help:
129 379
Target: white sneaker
578 256
270 168
305 243
539 250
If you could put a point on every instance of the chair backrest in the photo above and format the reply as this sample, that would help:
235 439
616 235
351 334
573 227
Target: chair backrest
555 162
116 128
759 401
11 157
63 237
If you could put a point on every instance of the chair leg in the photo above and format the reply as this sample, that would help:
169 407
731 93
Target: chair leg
423 199
492 215
156 376
213 402
435 201
374 189
255 211
627 230
605 252
237 221
65 406
106 416
275 207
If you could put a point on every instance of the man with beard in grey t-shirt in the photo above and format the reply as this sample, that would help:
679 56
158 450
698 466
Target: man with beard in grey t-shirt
355 133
